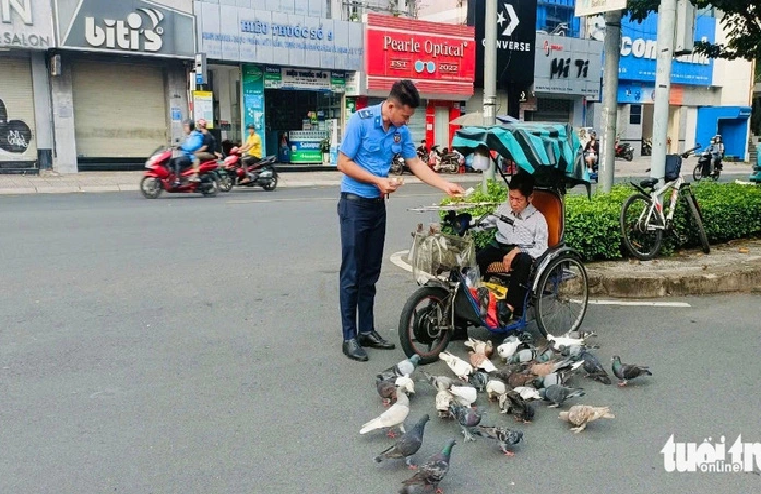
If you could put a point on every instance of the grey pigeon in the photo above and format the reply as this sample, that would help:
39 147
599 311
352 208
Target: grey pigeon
407 445
627 372
467 417
557 394
506 438
512 402
441 383
403 368
593 367
550 379
431 473
479 379
525 355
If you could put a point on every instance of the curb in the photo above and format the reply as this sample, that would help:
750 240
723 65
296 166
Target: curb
644 285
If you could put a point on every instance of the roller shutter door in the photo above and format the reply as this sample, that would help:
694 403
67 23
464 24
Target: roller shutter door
17 130
552 110
119 109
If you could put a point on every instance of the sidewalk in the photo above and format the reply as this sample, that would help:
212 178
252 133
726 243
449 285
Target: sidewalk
90 182
733 267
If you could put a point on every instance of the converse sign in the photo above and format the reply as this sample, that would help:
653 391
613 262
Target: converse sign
134 34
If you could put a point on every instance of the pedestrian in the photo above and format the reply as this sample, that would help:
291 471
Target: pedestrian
373 136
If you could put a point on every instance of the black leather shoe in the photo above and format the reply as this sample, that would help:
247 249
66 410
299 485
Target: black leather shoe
374 340
354 351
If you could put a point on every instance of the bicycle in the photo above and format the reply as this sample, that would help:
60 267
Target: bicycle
643 225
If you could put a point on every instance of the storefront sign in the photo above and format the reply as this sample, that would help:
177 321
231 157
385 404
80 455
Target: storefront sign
306 145
227 32
639 51
253 99
203 107
592 7
292 78
516 40
425 52
129 26
567 66
26 24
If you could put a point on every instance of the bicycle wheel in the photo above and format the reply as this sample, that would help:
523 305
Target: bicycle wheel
424 327
697 172
641 242
562 296
692 205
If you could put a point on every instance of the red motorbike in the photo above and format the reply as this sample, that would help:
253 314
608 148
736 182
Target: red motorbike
159 176
261 173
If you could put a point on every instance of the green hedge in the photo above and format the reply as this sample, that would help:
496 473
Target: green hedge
730 211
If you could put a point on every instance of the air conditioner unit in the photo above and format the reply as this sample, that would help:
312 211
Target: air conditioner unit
684 39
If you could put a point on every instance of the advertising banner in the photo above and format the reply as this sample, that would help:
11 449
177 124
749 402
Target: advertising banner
568 66
203 107
253 100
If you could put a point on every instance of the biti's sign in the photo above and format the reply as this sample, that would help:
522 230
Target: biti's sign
131 26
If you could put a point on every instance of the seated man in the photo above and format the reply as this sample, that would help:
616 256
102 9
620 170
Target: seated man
517 245
251 152
193 143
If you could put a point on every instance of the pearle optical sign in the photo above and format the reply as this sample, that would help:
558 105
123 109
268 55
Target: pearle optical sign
238 34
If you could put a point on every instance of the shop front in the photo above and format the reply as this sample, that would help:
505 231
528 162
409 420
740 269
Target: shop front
293 67
123 81
26 136
567 75
438 58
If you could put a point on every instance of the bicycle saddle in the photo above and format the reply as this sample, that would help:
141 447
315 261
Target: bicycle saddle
648 183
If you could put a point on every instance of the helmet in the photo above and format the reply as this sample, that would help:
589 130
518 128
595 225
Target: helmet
251 127
190 124
201 123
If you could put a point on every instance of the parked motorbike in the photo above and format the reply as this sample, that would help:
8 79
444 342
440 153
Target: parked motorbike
624 150
647 147
399 165
422 151
262 173
159 176
706 168
444 161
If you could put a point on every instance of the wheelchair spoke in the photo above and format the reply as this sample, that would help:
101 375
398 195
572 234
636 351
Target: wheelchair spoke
562 296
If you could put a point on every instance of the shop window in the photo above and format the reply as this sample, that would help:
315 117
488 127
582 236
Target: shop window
635 115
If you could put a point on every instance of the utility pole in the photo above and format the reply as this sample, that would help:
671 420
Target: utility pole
490 75
612 46
665 48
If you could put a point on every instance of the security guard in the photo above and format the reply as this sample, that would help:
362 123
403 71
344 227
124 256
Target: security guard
373 137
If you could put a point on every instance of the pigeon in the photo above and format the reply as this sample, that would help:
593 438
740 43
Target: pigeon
522 356
467 417
439 382
407 445
393 417
547 368
518 379
506 438
464 395
479 380
431 473
494 388
509 347
549 380
387 392
479 361
528 393
557 394
403 368
484 348
558 343
627 372
461 368
511 402
443 399
593 367
581 415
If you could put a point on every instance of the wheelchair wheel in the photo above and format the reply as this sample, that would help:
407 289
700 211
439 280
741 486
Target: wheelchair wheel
561 297
424 327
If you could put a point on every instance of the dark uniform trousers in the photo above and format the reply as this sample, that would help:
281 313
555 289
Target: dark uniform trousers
520 270
363 233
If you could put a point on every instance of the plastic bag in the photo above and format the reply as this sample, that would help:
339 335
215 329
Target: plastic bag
437 253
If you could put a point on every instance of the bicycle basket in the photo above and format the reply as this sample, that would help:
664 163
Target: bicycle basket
434 254
673 167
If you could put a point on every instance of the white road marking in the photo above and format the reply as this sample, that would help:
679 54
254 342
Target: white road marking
307 199
399 259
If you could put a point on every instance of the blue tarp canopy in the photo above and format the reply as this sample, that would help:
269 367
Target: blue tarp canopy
551 152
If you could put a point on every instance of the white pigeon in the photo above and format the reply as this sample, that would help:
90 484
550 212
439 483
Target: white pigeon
527 393
443 400
392 417
461 368
464 395
479 361
508 348
560 342
478 346
406 384
494 388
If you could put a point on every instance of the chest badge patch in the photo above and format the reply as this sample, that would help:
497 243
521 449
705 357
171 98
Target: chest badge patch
397 138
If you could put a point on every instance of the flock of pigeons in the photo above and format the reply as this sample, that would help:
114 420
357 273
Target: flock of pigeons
530 374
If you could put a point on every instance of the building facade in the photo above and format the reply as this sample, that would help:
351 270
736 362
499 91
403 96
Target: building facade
26 133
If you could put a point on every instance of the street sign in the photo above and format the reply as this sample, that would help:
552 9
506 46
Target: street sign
593 7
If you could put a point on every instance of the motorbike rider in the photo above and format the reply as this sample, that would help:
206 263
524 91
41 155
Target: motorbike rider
208 151
193 142
251 152
592 151
719 152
